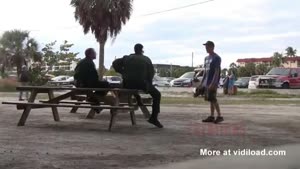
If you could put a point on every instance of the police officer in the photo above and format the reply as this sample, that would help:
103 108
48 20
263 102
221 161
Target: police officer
138 72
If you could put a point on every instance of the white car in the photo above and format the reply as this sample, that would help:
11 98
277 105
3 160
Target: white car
60 80
253 82
114 81
160 82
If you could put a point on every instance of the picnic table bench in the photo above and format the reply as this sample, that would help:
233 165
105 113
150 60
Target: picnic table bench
117 100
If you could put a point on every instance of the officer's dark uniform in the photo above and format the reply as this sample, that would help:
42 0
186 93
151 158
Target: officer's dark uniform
138 72
86 76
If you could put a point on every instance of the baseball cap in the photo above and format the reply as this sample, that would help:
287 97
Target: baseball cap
209 43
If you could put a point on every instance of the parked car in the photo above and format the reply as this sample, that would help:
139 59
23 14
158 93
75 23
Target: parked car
114 81
60 80
183 81
253 82
242 82
168 79
280 77
160 82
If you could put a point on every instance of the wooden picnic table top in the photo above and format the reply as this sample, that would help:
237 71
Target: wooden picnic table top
78 89
54 102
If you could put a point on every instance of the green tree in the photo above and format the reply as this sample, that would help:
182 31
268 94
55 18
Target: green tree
104 18
177 72
242 72
250 67
111 72
277 59
233 68
164 73
16 49
261 69
50 57
65 55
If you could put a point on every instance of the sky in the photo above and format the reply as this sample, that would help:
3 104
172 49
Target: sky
239 28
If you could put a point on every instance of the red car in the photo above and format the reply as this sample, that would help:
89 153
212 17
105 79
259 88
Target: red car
280 78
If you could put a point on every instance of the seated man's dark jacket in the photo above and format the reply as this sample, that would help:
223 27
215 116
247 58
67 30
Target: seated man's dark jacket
86 73
137 71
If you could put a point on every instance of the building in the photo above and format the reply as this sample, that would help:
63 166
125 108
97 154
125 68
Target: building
62 66
292 62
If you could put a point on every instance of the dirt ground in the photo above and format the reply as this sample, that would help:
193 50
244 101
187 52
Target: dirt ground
78 143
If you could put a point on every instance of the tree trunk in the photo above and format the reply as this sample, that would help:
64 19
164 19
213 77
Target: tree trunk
101 60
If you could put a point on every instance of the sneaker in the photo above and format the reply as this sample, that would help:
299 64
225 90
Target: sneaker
219 120
209 119
155 122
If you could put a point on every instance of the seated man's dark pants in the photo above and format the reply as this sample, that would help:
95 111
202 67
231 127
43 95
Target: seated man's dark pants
155 94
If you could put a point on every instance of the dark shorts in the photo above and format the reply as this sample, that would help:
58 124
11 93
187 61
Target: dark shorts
211 96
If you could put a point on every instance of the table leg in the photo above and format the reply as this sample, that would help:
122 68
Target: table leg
54 109
74 109
113 113
132 113
145 111
27 110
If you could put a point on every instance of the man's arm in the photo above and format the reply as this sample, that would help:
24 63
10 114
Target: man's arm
92 74
151 71
204 74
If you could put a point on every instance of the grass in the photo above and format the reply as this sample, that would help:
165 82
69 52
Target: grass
251 101
265 94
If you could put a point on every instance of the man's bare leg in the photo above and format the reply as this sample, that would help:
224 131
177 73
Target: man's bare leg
217 107
212 109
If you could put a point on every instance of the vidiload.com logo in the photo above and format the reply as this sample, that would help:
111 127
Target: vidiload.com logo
242 152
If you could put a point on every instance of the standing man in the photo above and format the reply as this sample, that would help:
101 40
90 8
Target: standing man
138 72
210 81
24 81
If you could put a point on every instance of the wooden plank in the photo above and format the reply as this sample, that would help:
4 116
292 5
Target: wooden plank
84 102
61 97
66 106
27 110
41 88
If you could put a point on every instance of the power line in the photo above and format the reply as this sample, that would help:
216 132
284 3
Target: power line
177 8
149 14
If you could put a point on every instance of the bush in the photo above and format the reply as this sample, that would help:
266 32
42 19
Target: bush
8 85
37 77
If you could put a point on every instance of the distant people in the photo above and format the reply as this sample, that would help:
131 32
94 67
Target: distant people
138 72
225 85
231 81
86 75
210 81
24 80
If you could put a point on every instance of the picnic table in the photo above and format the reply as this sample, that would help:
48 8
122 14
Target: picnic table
117 100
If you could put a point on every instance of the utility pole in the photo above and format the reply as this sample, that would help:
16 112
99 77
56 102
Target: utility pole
192 59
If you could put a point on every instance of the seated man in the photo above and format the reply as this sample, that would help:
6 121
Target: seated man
138 72
86 75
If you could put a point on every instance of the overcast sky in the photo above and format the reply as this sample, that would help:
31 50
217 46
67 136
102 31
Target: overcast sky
239 28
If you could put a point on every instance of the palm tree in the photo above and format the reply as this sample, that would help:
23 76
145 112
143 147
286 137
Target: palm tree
290 52
17 49
233 65
104 18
